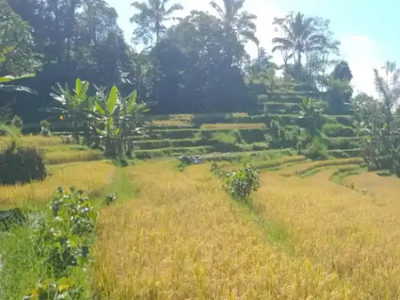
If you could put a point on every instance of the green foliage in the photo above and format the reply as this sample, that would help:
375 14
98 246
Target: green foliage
21 165
64 238
17 122
17 55
240 183
116 120
316 150
9 130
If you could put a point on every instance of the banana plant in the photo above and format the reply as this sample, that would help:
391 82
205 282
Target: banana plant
75 106
118 120
312 113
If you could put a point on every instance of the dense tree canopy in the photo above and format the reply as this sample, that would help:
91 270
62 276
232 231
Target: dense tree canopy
195 64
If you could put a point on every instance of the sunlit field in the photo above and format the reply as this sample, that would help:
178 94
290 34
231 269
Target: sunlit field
313 230
302 238
91 176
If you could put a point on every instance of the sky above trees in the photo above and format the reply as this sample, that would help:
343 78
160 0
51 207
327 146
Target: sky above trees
365 28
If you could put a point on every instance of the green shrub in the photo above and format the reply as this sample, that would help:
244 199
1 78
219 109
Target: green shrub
9 130
317 149
17 122
240 183
21 165
342 143
64 238
45 128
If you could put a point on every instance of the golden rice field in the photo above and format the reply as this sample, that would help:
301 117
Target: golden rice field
177 235
90 176
54 151
305 238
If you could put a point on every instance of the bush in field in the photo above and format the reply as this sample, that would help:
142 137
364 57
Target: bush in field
240 183
17 122
21 165
316 150
64 239
9 130
45 128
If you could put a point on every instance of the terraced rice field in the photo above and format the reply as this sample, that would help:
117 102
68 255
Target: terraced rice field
302 238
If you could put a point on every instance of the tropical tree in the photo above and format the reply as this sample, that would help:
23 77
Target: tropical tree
240 23
117 121
299 35
150 19
17 55
339 90
388 90
378 122
195 72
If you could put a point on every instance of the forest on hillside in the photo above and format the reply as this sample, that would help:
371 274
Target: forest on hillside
194 64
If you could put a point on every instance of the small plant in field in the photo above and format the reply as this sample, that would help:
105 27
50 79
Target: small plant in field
45 128
214 167
316 150
110 199
240 183
63 288
64 239
17 122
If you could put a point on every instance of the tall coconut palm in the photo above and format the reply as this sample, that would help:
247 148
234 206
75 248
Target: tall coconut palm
300 36
150 19
241 23
388 90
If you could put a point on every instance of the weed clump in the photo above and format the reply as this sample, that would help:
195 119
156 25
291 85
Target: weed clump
21 165
240 183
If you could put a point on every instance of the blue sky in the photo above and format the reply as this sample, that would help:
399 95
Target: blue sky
367 29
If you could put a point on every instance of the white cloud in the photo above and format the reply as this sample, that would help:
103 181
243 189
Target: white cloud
363 56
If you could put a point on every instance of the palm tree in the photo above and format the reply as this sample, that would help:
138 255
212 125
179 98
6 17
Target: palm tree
388 90
242 24
150 18
390 68
300 36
